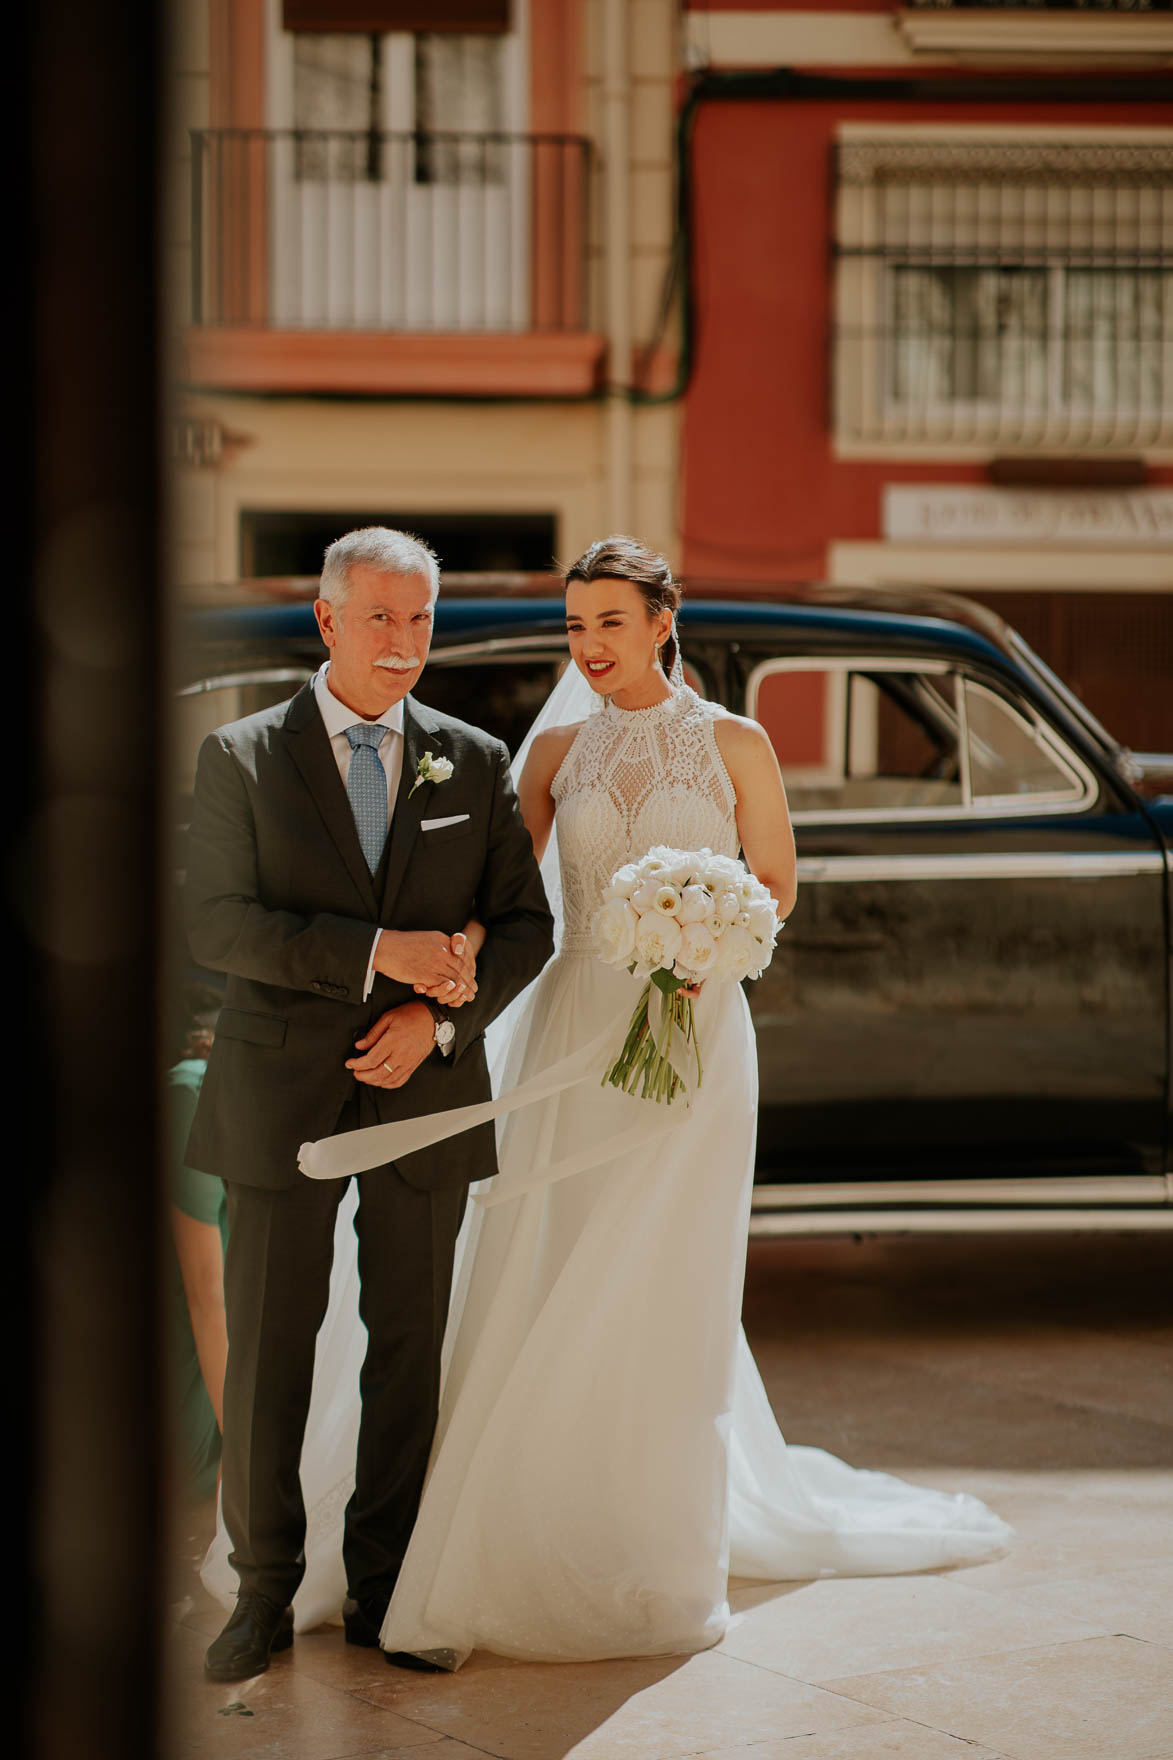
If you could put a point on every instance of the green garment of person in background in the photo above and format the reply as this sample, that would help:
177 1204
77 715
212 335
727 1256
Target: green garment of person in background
199 1227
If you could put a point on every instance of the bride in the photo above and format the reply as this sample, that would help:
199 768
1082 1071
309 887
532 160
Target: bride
606 1455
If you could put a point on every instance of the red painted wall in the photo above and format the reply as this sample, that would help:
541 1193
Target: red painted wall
788 5
762 494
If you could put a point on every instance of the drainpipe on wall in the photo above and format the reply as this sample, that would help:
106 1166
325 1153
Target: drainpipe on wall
616 162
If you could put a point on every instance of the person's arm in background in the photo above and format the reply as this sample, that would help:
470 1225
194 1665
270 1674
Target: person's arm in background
201 1265
194 1211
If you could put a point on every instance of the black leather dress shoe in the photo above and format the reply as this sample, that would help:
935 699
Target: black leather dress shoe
363 1621
256 1631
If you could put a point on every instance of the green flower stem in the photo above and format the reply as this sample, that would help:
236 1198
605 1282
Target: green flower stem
644 1065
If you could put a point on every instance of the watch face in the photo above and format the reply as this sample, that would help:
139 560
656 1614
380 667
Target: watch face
445 1032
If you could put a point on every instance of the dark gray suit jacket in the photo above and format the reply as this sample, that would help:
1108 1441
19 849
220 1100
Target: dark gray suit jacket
280 898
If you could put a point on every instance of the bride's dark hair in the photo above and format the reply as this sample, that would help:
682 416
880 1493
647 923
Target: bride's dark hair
619 558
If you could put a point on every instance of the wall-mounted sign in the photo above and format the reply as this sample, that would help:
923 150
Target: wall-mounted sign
1139 519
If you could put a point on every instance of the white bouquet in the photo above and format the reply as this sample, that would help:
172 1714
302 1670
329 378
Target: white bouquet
673 919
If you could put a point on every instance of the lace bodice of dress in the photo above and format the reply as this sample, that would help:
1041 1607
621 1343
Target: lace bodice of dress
634 778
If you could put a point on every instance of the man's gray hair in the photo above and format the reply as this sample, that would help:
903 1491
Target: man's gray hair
375 547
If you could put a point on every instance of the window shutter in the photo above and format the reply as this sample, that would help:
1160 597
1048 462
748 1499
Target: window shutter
371 16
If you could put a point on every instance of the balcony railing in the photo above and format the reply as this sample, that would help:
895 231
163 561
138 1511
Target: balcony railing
323 229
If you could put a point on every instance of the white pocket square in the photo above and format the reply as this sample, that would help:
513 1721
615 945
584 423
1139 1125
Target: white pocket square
435 824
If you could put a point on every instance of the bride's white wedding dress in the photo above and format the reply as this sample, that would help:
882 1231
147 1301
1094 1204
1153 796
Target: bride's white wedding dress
606 1455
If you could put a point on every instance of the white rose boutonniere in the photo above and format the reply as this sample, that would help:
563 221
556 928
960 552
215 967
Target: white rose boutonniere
430 769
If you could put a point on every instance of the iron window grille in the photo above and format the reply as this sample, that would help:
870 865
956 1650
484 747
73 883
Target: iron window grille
1039 5
1007 293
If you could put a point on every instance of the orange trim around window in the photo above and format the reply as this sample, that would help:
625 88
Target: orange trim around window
380 363
236 57
558 202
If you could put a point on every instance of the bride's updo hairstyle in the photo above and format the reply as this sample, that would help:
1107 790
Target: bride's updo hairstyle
619 558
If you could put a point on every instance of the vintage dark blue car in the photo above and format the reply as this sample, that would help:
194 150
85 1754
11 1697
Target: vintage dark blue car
967 1020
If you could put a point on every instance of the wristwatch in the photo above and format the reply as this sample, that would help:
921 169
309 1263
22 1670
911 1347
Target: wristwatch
444 1032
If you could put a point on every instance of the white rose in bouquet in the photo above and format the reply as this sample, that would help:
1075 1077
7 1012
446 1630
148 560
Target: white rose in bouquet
762 920
657 939
614 927
697 952
667 901
728 905
696 903
741 953
644 895
624 882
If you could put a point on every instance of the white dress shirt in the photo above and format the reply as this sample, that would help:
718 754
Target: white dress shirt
337 718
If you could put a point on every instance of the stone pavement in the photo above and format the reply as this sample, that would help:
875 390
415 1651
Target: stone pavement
1033 1371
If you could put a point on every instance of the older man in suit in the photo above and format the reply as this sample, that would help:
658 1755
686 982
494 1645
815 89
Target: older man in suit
359 869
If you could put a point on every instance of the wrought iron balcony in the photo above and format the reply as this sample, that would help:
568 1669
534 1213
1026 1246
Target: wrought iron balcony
337 230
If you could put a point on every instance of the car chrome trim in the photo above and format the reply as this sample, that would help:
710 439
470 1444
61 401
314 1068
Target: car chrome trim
1029 865
225 681
1066 1190
899 1222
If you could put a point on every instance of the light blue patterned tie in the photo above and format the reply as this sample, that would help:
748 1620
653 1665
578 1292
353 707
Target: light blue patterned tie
366 785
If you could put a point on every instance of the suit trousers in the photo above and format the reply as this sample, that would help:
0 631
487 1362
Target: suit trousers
276 1289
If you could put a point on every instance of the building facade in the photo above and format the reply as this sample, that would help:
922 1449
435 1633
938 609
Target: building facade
931 325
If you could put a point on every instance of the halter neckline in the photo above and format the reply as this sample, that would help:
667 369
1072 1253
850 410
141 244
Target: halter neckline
653 712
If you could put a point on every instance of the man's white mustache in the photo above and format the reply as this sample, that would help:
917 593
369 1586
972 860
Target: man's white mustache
398 665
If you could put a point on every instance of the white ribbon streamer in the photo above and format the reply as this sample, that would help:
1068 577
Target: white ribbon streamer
376 1145
606 1149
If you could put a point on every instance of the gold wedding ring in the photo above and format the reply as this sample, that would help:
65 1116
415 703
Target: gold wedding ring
389 1068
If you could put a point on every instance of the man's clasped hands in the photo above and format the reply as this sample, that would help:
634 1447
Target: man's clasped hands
441 967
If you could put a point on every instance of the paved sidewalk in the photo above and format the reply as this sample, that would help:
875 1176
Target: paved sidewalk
1034 1372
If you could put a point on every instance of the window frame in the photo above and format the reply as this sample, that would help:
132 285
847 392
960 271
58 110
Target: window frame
1082 798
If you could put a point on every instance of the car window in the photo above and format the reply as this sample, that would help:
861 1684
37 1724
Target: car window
1009 755
860 737
499 691
867 739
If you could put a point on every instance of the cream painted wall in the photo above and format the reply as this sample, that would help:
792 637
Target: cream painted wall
999 568
433 457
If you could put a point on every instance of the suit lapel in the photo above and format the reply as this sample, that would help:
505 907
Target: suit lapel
418 737
310 749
